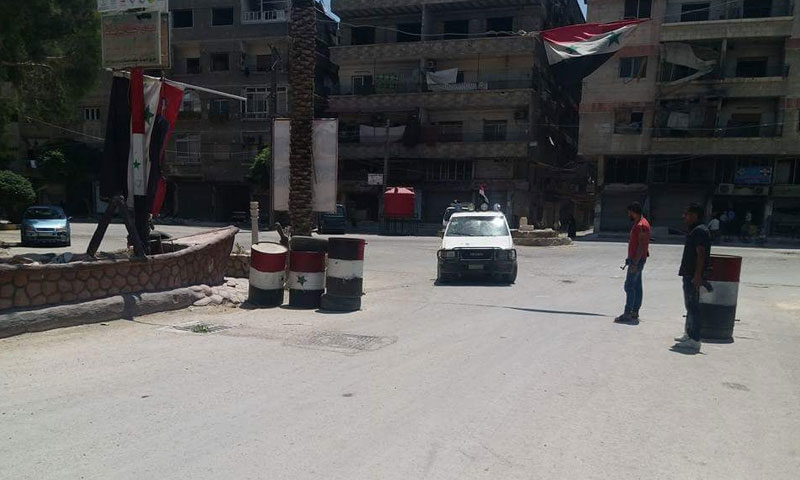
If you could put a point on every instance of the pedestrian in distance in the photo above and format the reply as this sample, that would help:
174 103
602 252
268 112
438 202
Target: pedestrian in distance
714 227
693 271
638 251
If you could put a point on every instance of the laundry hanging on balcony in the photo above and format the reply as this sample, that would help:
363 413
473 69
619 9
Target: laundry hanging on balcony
575 51
442 77
369 134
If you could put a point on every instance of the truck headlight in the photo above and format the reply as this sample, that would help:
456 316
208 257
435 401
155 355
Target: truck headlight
446 254
508 255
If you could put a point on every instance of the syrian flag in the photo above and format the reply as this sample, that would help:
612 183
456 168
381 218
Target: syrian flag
575 51
144 96
169 104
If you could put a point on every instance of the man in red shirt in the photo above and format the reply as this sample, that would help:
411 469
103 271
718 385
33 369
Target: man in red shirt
638 251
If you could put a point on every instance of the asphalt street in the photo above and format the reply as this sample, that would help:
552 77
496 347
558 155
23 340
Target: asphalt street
463 381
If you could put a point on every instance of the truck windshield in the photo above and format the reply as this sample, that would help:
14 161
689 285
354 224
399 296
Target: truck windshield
477 227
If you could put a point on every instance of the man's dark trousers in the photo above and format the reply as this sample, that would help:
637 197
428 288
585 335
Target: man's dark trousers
633 290
691 297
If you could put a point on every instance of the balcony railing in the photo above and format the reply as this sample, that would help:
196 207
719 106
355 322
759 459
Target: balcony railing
772 71
443 135
391 83
268 16
731 130
726 10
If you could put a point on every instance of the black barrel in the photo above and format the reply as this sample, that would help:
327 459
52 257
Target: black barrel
345 275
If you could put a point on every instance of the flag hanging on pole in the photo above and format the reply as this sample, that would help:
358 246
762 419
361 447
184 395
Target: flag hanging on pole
169 104
144 95
575 51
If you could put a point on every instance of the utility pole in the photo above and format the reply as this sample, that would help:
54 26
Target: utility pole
386 155
273 110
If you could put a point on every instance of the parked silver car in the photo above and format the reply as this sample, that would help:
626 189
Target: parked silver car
45 225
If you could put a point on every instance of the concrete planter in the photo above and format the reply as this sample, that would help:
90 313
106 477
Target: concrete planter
194 260
238 266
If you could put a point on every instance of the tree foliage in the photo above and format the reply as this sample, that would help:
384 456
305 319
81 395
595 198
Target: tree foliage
16 194
261 167
68 162
49 56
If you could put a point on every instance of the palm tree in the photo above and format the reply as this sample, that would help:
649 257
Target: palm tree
302 37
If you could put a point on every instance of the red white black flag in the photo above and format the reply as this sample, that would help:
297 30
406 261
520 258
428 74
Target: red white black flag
575 51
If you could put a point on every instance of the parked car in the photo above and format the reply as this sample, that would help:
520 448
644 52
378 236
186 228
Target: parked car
45 225
334 222
477 243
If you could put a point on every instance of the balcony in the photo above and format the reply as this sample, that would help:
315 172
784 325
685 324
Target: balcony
263 16
768 82
440 143
405 51
778 26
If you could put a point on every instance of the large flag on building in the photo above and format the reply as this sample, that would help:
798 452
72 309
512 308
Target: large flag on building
575 51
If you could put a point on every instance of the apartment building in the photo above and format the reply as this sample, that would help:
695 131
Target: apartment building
238 47
701 105
451 98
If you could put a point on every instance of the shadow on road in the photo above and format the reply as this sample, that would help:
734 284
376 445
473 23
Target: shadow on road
532 310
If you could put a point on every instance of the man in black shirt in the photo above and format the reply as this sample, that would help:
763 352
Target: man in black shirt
694 266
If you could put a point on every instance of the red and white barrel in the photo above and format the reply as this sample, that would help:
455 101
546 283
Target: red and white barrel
306 279
718 306
345 277
267 274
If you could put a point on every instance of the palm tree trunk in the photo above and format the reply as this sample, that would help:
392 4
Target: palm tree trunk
302 35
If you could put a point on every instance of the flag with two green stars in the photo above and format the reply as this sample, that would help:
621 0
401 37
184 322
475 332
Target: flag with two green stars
144 95
575 51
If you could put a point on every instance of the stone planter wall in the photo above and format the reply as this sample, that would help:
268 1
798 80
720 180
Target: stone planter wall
238 266
203 259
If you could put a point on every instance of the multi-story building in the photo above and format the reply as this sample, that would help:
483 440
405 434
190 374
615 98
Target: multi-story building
448 95
239 47
700 106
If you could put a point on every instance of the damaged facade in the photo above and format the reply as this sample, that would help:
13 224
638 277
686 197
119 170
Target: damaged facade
451 100
700 106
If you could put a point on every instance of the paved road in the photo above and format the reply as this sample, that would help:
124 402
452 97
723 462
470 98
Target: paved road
452 382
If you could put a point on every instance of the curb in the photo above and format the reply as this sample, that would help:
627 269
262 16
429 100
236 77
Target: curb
118 307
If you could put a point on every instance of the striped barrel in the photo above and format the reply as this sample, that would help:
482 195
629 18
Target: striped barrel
345 277
306 279
718 306
267 274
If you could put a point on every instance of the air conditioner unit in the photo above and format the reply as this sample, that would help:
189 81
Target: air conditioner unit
430 64
725 189
761 191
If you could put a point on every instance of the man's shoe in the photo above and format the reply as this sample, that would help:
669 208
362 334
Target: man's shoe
624 318
691 345
683 338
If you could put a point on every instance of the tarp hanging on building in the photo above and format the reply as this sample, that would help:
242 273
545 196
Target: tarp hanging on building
683 54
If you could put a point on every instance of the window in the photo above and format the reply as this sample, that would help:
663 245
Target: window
193 66
633 67
451 131
187 147
626 170
744 125
501 26
264 63
362 84
456 29
409 32
191 102
220 109
220 62
494 130
91 114
257 106
627 122
349 133
695 12
221 16
787 172
363 35
182 19
449 170
638 8
756 8
751 67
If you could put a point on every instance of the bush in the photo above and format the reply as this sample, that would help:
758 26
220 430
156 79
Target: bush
260 169
16 194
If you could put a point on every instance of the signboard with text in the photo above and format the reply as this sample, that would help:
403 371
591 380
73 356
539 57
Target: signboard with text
135 40
753 176
118 6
